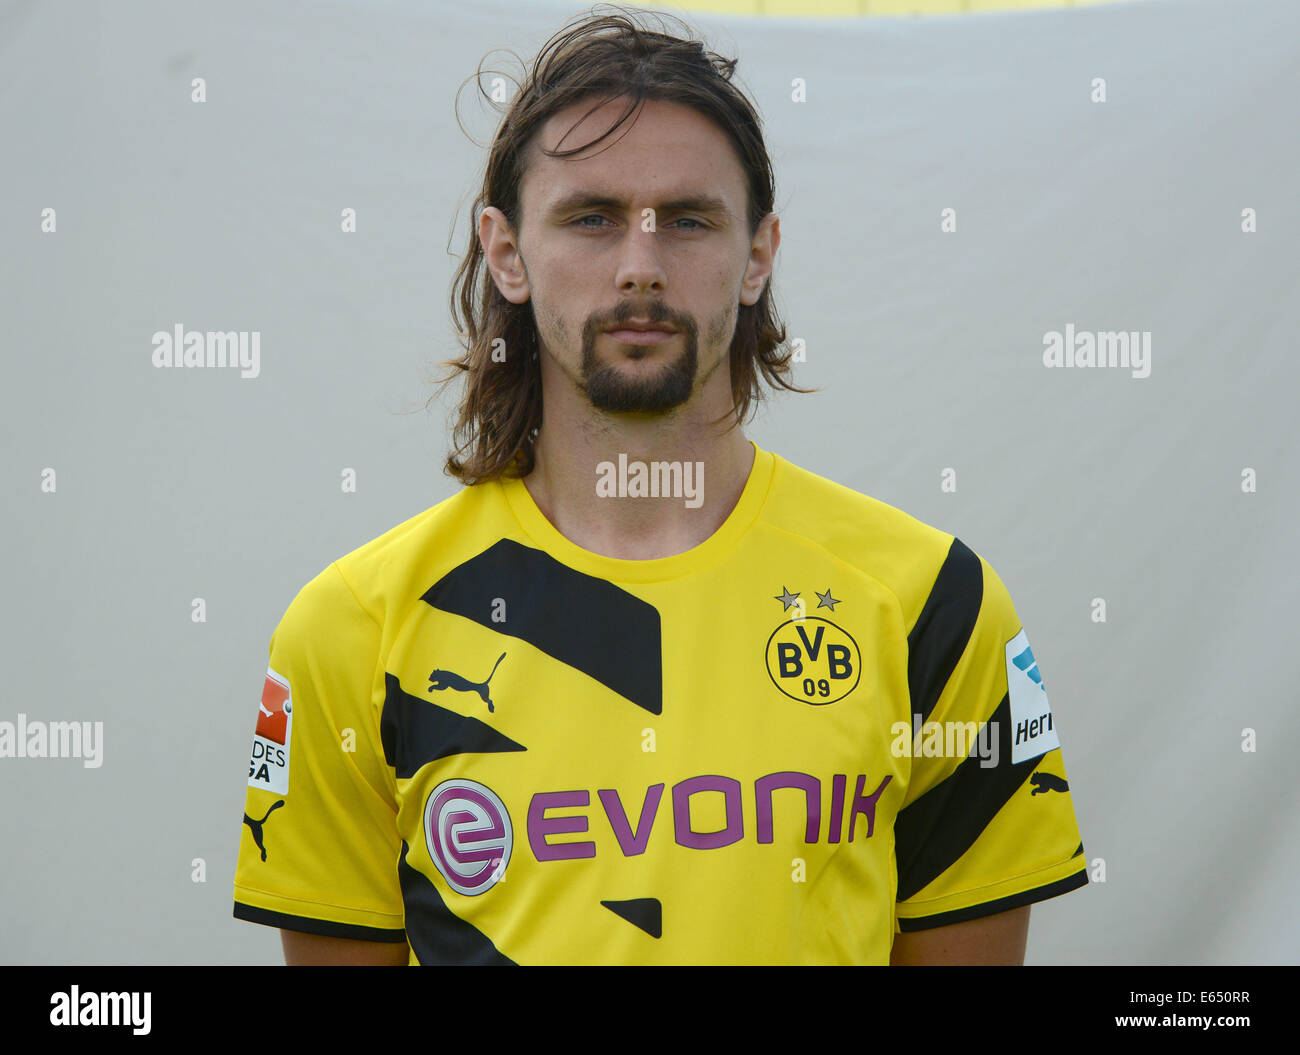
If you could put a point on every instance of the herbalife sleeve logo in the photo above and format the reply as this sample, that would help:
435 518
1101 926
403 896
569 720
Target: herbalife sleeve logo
1032 733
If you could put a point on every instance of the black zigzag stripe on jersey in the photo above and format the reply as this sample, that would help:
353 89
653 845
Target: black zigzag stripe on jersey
644 912
942 630
584 622
940 826
437 935
1002 904
414 731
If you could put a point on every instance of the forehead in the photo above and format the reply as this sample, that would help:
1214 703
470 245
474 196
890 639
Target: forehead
663 151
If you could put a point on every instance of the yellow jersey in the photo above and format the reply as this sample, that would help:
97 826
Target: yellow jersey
820 727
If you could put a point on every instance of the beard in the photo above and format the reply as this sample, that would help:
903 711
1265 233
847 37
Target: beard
609 387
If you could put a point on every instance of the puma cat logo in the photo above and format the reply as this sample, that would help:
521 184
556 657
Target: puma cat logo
256 826
447 679
1045 782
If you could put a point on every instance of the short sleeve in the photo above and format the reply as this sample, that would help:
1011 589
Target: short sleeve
987 823
319 845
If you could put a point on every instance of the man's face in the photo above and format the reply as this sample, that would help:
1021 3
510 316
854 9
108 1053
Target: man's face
649 231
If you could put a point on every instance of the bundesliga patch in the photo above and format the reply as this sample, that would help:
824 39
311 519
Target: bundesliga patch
1032 733
268 765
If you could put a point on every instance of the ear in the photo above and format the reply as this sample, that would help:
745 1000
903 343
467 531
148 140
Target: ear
501 253
762 255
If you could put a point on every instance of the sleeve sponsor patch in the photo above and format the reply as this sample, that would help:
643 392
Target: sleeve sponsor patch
1032 730
268 764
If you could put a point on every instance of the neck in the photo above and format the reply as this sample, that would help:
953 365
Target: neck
592 495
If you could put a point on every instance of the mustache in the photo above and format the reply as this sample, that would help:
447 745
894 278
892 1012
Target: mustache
660 316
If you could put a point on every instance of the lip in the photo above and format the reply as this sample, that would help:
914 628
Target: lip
641 336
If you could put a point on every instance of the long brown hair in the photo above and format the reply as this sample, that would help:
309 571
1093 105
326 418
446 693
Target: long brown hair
600 57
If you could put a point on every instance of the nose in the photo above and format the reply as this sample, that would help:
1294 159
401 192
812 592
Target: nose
640 266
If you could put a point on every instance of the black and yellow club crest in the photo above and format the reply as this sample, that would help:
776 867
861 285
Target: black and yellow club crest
809 658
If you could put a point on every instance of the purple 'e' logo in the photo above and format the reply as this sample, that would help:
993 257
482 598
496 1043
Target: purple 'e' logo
467 829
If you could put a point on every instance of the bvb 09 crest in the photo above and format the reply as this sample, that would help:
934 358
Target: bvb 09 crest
812 660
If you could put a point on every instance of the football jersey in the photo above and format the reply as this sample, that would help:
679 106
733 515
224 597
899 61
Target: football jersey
819 727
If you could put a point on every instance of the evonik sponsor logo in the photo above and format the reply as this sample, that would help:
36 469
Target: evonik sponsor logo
470 837
468 834
842 812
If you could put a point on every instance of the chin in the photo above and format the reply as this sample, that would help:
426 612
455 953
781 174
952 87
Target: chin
644 378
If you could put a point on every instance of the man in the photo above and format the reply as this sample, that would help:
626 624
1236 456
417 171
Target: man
642 692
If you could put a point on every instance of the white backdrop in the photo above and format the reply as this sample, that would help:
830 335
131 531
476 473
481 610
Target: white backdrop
1076 484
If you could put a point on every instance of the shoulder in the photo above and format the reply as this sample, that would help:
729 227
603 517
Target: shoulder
917 561
389 572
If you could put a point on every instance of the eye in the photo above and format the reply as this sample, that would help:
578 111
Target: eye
580 222
686 219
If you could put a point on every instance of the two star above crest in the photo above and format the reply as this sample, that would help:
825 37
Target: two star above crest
824 600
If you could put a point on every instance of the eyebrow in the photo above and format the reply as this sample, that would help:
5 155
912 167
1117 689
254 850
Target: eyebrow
585 199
